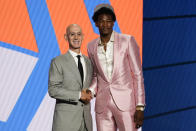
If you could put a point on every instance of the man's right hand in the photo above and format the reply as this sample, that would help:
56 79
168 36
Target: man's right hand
86 96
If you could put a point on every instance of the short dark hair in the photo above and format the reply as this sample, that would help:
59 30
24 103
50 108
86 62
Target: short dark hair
104 10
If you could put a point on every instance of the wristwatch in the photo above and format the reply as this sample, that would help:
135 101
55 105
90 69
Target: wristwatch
140 108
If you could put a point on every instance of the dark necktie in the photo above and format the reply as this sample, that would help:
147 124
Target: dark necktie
80 68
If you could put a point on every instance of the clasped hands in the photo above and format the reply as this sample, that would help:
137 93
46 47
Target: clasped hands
86 96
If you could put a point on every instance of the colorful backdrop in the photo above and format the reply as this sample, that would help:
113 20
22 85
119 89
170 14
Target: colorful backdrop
31 34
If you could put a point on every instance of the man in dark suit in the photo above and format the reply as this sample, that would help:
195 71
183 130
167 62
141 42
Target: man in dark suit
69 77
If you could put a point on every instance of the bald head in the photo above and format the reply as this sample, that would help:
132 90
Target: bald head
70 26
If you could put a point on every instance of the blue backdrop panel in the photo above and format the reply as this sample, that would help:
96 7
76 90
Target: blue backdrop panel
160 8
180 121
170 88
169 41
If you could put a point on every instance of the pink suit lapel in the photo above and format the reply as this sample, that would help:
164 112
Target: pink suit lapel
97 61
115 56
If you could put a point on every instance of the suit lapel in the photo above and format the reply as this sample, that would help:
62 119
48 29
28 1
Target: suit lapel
87 72
74 67
97 60
115 55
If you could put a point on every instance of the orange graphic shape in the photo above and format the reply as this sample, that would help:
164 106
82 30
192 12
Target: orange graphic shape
129 14
66 12
15 25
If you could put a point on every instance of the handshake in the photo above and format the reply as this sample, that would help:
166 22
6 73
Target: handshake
86 96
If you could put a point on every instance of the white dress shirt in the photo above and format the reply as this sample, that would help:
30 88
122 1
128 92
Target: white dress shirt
106 57
74 54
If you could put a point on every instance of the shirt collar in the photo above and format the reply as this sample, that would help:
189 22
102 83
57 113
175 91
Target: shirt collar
111 38
74 54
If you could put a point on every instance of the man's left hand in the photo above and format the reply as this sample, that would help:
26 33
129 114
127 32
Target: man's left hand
138 118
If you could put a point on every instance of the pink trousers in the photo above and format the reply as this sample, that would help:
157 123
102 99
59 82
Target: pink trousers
112 119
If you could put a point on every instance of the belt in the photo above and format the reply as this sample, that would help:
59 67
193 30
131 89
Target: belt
66 102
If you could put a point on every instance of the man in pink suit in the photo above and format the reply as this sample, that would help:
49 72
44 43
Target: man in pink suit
118 78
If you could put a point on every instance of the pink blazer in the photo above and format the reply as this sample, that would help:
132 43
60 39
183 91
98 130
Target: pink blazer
126 86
